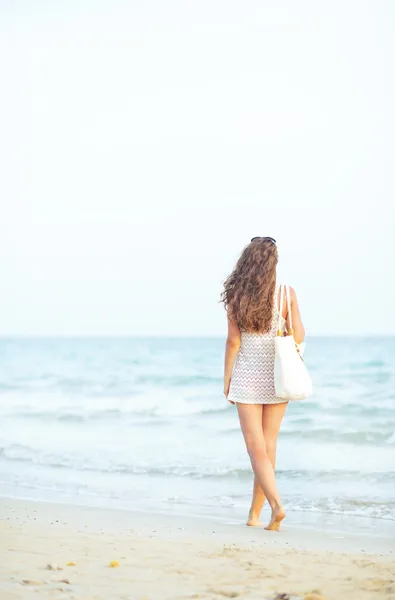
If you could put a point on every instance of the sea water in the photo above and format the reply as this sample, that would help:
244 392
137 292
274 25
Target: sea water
142 423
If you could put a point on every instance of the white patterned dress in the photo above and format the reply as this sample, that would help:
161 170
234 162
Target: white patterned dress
252 380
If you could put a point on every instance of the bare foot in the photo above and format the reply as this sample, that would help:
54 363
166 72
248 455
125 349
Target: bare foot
253 520
278 514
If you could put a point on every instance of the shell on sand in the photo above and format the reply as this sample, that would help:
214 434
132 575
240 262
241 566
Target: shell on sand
113 564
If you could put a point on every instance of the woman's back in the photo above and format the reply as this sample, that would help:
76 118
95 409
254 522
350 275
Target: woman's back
252 380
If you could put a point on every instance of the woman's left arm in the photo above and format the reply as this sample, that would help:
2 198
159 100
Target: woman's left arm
231 350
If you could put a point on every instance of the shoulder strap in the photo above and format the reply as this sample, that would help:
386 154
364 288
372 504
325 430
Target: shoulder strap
289 308
280 312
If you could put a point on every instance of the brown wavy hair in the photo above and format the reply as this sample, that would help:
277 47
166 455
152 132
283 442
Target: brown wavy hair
248 294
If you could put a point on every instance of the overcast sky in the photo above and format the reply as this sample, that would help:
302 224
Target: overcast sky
142 144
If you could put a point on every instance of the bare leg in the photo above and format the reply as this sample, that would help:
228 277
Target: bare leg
250 416
257 502
272 415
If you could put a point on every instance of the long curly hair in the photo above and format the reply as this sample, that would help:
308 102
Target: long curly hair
248 294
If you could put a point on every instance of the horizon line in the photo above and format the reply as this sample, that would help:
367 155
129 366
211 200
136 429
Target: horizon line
172 336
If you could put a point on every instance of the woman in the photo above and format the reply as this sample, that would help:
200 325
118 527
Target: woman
252 299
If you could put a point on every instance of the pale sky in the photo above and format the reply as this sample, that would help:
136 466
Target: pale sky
142 144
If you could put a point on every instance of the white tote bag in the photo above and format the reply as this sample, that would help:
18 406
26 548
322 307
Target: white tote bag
291 378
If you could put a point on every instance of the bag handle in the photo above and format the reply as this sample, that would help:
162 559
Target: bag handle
280 314
288 289
285 289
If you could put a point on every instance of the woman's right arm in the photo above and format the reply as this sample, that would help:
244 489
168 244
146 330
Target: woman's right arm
297 324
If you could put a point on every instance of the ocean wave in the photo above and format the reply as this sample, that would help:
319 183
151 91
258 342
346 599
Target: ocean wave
103 386
26 454
370 508
177 380
83 415
357 438
298 427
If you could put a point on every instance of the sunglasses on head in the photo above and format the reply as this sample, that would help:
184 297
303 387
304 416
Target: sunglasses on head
268 239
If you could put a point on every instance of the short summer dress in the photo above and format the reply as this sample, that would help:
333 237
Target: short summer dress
252 380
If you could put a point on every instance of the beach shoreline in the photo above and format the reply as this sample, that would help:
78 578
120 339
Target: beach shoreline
171 556
315 521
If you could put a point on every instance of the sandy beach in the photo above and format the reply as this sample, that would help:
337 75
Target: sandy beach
168 557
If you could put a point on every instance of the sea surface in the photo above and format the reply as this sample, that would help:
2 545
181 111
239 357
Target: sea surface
141 423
